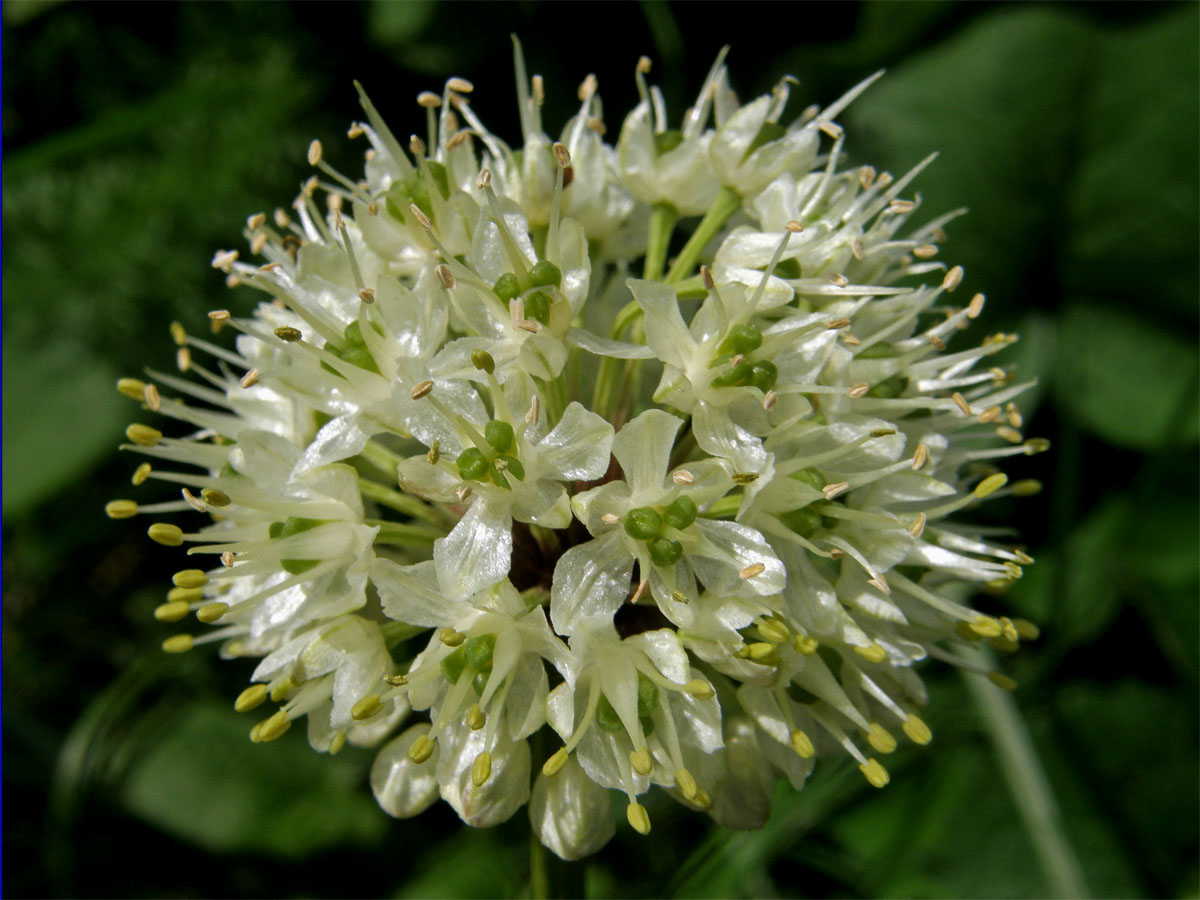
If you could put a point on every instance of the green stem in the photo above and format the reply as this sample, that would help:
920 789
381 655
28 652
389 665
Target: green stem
539 869
381 458
723 206
1027 782
662 222
609 376
403 503
398 533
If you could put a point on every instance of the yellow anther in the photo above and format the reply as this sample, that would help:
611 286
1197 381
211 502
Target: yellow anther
450 637
215 498
641 761
880 738
165 534
752 570
314 153
337 742
760 650
189 578
251 698
953 278
872 653
875 773
281 689
638 817
178 643
422 748
702 799
212 612
774 631
805 644
990 485
288 334
143 435
121 509
686 784
133 388
1009 629
802 744
1026 487
366 707
1026 630
171 612
178 335
554 764
916 730
700 689
1002 681
254 733
481 769
1036 445
986 626
141 473
396 680
475 717
187 595
275 727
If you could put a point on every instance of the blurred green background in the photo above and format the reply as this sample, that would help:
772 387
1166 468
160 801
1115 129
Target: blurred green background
138 138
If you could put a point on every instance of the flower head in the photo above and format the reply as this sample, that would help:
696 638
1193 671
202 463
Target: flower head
693 528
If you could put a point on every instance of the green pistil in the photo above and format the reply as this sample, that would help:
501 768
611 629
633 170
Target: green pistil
545 274
537 307
352 350
643 523
810 476
606 716
499 434
506 287
680 514
497 463
453 664
805 522
472 464
741 339
770 131
665 552
647 696
878 350
479 650
889 388
666 141
726 203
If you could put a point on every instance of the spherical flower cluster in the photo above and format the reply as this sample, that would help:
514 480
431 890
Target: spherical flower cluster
650 451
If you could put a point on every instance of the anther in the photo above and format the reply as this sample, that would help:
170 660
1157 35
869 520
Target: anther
901 206
185 594
644 65
554 764
337 742
422 219
774 631
165 534
1009 434
587 88
917 527
805 644
838 280
916 730
429 100
953 278
706 276
483 361
420 389
683 476
178 643
251 698
920 457
481 769
874 773
638 817
641 761
445 276
223 259
461 85
686 783
366 707
417 146
212 612
835 490
143 435
183 356
866 176
133 388
1002 681
858 390
700 689
227 559
535 406
833 129
985 626
990 485
274 727
961 402
793 226
450 637
770 398
880 738
937 343
191 501
850 340
216 498
539 89
171 612
422 748
189 578
744 478
1026 630
288 334
257 243
802 744
120 509
475 718
484 179
250 379
751 570
991 414
835 324
367 295
562 156
925 251
872 653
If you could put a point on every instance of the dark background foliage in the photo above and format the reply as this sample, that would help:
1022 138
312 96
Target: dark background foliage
138 137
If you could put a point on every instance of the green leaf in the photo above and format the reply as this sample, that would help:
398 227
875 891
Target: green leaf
1127 378
205 782
62 415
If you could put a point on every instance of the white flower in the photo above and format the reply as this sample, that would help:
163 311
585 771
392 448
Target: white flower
464 462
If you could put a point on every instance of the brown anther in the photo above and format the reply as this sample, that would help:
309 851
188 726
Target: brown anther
227 559
752 570
866 176
1009 434
953 278
429 100
835 324
183 357
838 280
770 398
250 378
936 342
271 266
858 390
417 147
744 478
539 89
562 156
991 414
920 457
640 591
835 490
837 553
445 276
314 153
459 138
223 259
1015 419
683 476
925 251
975 307
355 130
793 226
643 65
856 248
879 584
587 88
257 243
917 526
484 179
422 219
460 84
367 295
707 277
421 389
288 334
850 340
961 402
901 206
596 125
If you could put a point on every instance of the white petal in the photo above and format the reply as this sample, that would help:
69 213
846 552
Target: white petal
590 579
665 652
666 332
643 448
507 787
602 346
401 787
477 553
737 548
412 594
338 439
571 814
578 448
